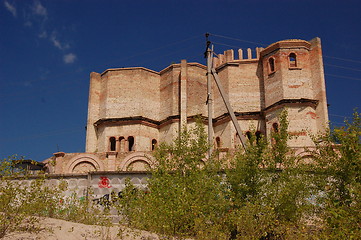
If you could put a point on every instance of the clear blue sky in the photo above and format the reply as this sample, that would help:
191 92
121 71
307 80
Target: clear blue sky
49 48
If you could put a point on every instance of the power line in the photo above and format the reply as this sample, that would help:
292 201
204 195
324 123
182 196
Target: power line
226 45
237 39
265 45
336 115
158 48
339 76
343 59
348 68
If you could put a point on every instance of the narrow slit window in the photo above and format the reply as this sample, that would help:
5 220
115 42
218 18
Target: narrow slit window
271 64
249 135
237 142
292 60
130 143
275 127
258 136
154 144
218 142
112 142
121 144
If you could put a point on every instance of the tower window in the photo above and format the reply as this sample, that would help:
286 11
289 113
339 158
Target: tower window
218 142
275 127
236 140
130 143
258 136
271 65
249 135
292 60
154 144
121 144
112 143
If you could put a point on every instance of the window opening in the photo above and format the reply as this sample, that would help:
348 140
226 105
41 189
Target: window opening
121 144
154 144
112 143
271 63
130 143
236 141
292 60
258 136
218 142
249 135
275 127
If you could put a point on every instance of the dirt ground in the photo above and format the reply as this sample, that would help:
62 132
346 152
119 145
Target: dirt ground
56 229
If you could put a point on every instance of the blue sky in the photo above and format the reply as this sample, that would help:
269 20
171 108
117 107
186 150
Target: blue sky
49 48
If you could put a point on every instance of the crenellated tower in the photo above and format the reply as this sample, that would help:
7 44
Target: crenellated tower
292 79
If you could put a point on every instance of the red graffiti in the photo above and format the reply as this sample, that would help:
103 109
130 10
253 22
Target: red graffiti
313 115
104 182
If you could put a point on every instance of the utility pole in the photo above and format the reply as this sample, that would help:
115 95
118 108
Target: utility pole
212 71
209 56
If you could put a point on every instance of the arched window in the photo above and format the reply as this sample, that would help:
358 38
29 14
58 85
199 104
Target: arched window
154 144
237 142
112 143
275 127
218 142
292 60
248 135
121 144
271 65
258 136
130 143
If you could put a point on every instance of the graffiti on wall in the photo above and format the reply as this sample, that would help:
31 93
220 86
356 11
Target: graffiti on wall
104 182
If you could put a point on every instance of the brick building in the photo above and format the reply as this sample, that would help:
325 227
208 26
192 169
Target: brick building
131 110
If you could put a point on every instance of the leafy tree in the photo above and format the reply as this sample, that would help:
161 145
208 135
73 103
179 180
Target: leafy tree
338 158
269 188
185 195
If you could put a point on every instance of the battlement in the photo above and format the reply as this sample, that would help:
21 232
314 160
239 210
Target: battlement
229 56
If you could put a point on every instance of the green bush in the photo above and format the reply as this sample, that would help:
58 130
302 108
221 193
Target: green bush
338 158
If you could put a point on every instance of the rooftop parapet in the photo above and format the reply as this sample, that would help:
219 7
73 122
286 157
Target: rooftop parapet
228 56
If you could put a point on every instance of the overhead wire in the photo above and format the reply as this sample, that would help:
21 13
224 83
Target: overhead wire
223 44
265 45
17 93
158 48
326 64
343 59
347 68
237 39
340 76
336 115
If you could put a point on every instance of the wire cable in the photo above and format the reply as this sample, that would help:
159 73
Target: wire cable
337 66
223 44
339 76
237 39
343 59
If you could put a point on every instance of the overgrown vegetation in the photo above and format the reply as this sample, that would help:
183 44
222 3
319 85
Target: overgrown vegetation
21 206
266 192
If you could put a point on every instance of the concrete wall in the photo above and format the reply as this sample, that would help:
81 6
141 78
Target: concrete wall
97 185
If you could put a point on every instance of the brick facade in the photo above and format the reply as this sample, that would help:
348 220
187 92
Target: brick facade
132 109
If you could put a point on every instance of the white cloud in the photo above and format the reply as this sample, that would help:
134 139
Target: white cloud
10 8
39 9
69 58
57 43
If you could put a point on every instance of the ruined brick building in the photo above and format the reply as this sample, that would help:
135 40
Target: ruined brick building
131 110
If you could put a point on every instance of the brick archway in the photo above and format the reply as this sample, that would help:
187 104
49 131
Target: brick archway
135 159
84 159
